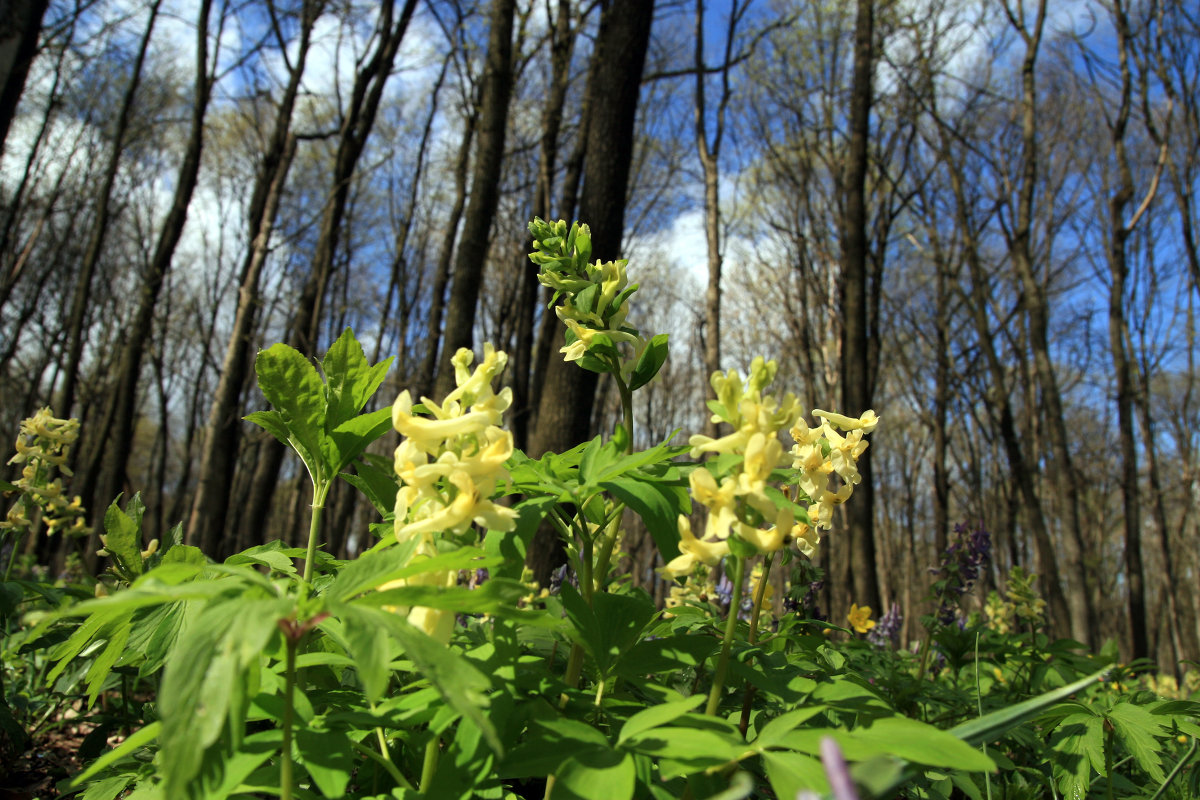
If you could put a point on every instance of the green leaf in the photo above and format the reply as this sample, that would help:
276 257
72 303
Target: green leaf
920 743
1078 746
650 362
659 507
376 481
329 758
123 534
510 547
273 422
292 385
691 749
1138 730
789 773
610 626
772 733
657 715
198 683
370 570
667 654
993 725
346 370
595 774
272 555
139 738
458 681
106 789
353 436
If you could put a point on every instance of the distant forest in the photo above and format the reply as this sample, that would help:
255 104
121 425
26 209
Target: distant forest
977 218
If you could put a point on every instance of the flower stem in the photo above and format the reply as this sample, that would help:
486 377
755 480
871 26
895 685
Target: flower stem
429 766
320 492
285 763
759 597
722 670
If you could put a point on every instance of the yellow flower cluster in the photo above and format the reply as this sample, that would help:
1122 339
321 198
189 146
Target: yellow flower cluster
43 446
449 465
739 505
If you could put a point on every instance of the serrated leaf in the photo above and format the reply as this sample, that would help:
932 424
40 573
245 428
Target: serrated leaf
353 436
345 368
123 533
378 485
292 385
1138 730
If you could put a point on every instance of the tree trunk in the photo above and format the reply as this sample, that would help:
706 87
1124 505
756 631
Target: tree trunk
485 191
81 297
120 438
856 376
1065 474
20 25
206 522
524 360
568 392
356 127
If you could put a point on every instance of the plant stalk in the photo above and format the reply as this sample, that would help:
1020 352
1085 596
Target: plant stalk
289 687
429 765
722 670
320 492
759 596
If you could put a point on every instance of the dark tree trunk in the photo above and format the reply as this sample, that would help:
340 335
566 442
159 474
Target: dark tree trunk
856 375
356 128
81 296
20 25
129 369
206 523
568 392
485 192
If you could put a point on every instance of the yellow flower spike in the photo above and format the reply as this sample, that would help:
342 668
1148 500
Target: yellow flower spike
860 618
865 423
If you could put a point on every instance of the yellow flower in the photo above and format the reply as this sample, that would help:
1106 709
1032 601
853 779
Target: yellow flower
693 551
860 618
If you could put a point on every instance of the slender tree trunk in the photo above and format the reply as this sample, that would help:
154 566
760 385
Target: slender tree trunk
441 273
709 153
524 395
856 376
120 439
485 192
356 128
206 522
1064 472
568 392
999 405
81 297
20 25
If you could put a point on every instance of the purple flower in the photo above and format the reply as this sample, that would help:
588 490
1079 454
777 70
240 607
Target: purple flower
969 550
886 632
840 784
